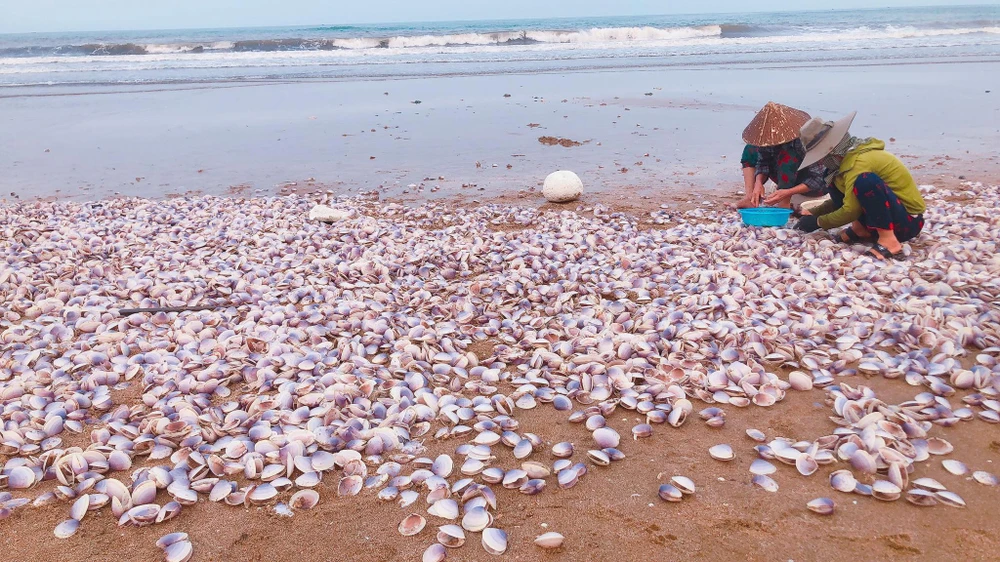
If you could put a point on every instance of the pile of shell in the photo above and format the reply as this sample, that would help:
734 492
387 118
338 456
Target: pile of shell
333 352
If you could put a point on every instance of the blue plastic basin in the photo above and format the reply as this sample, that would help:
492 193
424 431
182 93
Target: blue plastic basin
765 216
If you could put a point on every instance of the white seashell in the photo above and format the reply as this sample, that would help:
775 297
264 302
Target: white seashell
445 509
412 524
179 551
765 482
435 553
606 437
955 467
822 506
722 453
800 381
494 541
549 540
67 528
762 467
684 484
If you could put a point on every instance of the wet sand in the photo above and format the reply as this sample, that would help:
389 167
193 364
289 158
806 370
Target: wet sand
668 131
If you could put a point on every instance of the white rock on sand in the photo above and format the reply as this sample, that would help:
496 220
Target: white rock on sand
562 186
323 213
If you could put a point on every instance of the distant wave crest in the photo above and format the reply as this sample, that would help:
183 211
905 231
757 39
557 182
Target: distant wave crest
597 37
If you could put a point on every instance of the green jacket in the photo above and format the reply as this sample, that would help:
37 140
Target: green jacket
870 157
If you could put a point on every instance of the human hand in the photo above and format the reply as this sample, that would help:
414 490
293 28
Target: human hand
779 198
757 193
808 223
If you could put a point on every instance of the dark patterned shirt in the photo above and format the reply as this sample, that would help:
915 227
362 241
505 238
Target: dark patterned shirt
780 164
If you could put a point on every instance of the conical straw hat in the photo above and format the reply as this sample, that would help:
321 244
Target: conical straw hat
774 124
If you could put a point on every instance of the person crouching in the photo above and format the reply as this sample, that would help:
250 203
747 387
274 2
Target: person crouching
773 152
872 190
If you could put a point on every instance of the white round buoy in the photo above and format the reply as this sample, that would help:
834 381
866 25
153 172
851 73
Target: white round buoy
323 213
562 186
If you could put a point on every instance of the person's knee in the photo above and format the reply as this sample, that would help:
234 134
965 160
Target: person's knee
867 183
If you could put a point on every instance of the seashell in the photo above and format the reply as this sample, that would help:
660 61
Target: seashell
169 539
955 467
144 492
523 449
567 478
562 403
179 551
929 484
937 446
684 484
670 493
442 466
562 450
535 469
549 540
639 431
435 553
716 422
614 454
595 422
985 478
765 482
476 519
407 497
885 490
451 536
411 525
221 490
822 506
806 464
950 498
800 381
445 509
606 437
600 458
561 465
722 453
492 475
263 493
21 478
304 499
168 512
532 487
487 438
494 541
757 435
762 467
311 479
80 507
350 485
920 497
863 462
67 528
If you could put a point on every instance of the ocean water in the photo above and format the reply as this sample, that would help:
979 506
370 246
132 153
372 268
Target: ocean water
497 47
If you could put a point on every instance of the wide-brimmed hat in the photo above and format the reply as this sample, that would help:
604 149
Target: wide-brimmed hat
820 138
774 124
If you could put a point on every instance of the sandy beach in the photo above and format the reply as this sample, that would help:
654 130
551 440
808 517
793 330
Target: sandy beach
727 517
454 306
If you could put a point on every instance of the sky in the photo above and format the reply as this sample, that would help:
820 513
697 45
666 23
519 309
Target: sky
18 16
